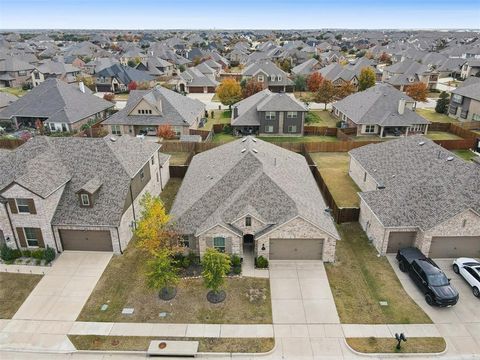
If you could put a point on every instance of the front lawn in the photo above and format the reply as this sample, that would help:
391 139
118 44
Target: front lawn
334 169
141 343
415 345
14 289
298 139
442 135
433 116
466 155
320 118
123 285
360 279
17 91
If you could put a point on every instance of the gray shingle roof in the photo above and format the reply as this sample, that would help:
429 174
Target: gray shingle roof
57 101
471 91
378 105
422 188
264 180
177 110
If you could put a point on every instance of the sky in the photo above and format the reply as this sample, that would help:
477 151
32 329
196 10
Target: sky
239 14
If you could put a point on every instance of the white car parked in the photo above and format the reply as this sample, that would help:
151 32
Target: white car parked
470 270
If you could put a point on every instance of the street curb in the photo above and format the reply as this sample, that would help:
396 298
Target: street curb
377 355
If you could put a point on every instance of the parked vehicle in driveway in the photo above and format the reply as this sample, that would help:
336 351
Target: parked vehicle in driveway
428 277
470 270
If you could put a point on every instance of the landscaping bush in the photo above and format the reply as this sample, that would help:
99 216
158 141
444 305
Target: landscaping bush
185 262
261 262
26 253
7 125
38 254
235 260
9 254
49 254
237 270
194 259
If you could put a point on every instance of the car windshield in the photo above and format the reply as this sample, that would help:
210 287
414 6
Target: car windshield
437 280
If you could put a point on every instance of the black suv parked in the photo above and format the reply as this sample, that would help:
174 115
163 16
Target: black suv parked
428 277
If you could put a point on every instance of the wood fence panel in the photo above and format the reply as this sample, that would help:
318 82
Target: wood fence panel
10 144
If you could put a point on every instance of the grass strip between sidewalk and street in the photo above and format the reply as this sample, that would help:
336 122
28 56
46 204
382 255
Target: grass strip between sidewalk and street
414 345
14 290
141 343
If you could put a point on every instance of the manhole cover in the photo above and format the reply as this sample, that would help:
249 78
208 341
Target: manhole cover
163 314
128 311
383 303
104 307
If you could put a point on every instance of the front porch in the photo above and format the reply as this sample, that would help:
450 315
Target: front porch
248 260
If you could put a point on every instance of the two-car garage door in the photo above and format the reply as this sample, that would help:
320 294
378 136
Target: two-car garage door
296 249
455 246
88 240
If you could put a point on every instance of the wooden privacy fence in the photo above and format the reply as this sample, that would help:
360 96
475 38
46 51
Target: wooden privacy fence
205 134
178 171
339 214
10 143
319 130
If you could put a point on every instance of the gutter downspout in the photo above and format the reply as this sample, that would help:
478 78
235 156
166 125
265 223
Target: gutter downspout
11 226
119 243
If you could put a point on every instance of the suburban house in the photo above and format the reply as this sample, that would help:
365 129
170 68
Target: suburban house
146 110
14 71
156 66
88 198
267 73
56 69
405 73
117 77
268 113
416 193
470 67
465 101
307 67
380 110
193 80
250 197
60 106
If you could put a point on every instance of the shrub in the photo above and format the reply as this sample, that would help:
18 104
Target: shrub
26 253
237 270
109 97
38 254
49 254
185 262
25 86
8 254
194 259
261 262
235 260
6 124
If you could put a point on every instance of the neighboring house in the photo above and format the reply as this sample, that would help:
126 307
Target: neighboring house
76 193
465 101
54 69
268 113
146 110
470 67
6 99
307 67
416 193
193 80
250 197
267 73
408 72
117 77
97 65
14 71
380 110
338 75
156 66
60 106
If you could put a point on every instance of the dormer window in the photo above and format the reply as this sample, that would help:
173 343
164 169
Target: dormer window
279 78
85 199
248 221
261 78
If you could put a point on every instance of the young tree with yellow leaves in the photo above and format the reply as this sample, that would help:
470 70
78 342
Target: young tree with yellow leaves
229 91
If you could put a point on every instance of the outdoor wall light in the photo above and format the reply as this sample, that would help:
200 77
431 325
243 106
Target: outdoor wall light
263 247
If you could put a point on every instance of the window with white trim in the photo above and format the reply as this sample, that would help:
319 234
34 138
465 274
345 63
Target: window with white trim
23 206
292 115
272 78
292 128
85 199
269 128
270 115
260 78
248 221
369 129
279 78
219 243
116 130
31 236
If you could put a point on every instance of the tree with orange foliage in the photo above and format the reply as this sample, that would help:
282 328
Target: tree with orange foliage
252 87
417 92
347 88
229 91
385 58
326 93
314 81
165 131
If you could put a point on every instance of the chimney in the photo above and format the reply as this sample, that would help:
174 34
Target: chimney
235 112
81 85
401 106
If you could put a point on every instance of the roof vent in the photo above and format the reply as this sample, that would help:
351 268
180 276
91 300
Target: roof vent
421 143
243 150
113 139
380 186
255 151
254 140
450 158
244 139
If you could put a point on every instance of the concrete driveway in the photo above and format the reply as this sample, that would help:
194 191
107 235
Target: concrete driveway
460 324
301 293
64 290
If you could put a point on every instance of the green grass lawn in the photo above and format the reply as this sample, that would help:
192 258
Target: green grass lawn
170 192
220 117
442 135
178 158
334 169
298 139
222 137
14 289
466 155
321 118
388 345
433 116
17 91
359 280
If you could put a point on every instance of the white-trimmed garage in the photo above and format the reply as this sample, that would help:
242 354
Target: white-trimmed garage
86 240
296 249
455 246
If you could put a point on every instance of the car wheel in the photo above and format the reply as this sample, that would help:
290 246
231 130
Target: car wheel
402 267
476 292
429 299
456 270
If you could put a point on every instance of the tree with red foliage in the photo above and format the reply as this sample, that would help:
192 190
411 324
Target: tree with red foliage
109 97
165 131
252 87
314 81
39 126
385 58
418 92
132 86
